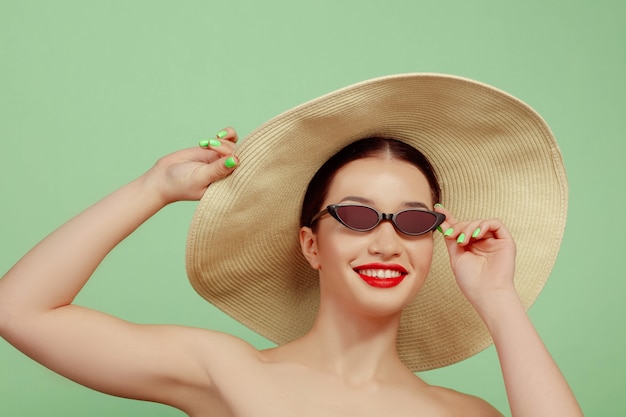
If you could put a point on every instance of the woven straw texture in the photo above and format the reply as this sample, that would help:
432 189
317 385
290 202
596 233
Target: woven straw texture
494 157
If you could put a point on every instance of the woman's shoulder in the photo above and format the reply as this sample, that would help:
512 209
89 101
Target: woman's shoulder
470 405
214 344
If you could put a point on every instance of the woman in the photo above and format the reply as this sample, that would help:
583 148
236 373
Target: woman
345 345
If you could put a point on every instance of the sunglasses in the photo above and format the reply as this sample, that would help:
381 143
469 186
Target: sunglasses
413 222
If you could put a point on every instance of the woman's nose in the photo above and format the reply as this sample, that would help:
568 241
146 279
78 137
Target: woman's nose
384 240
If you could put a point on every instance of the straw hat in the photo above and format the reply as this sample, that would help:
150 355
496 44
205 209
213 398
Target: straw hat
494 157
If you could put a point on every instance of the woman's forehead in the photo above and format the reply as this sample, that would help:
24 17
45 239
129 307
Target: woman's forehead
380 179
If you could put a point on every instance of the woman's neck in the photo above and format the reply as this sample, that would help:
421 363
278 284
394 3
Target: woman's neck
355 347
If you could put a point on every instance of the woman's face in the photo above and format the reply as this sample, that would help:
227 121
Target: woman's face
352 264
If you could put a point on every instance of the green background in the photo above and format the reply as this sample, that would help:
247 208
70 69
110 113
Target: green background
92 93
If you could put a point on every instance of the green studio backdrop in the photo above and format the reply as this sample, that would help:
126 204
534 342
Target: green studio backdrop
93 92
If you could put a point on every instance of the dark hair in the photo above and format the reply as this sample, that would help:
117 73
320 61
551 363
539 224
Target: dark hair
364 148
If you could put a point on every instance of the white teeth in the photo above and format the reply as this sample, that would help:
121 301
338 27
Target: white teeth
380 273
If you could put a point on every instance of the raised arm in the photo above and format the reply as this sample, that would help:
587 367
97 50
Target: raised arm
483 262
36 311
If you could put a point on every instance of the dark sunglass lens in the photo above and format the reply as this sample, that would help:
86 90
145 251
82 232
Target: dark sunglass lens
415 221
358 217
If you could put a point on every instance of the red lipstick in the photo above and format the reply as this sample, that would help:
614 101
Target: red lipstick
381 275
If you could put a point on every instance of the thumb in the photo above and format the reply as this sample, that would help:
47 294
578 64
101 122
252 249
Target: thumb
218 169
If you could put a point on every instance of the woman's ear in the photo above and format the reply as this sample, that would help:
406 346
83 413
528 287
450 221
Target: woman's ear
308 244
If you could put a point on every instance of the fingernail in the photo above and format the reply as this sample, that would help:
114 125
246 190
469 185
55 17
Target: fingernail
440 229
209 142
448 232
476 232
222 134
461 238
230 162
438 205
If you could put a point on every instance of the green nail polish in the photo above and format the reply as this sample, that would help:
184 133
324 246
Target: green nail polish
438 205
476 232
440 229
204 143
215 142
222 134
230 162
448 232
461 238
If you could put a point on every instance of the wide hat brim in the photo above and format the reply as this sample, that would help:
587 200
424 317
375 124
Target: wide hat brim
494 157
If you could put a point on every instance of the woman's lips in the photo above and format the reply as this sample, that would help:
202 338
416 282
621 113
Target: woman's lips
381 275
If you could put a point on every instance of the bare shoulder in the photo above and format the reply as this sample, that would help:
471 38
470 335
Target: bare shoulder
470 405
203 363
188 357
221 349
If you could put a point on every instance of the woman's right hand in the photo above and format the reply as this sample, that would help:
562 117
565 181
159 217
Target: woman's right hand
186 174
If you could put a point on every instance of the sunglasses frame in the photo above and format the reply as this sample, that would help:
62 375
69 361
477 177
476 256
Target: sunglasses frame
332 210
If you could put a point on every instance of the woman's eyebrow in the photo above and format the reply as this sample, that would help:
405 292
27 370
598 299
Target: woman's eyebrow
357 199
415 204
409 204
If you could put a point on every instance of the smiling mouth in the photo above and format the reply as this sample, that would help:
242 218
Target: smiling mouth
381 277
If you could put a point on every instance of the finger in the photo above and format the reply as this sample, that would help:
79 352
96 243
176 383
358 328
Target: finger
221 146
194 154
468 231
450 220
461 232
228 134
450 229
218 169
492 228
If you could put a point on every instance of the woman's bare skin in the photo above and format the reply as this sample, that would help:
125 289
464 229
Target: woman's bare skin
346 365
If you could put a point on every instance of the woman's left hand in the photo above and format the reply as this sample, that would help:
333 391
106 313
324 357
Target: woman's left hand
482 256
